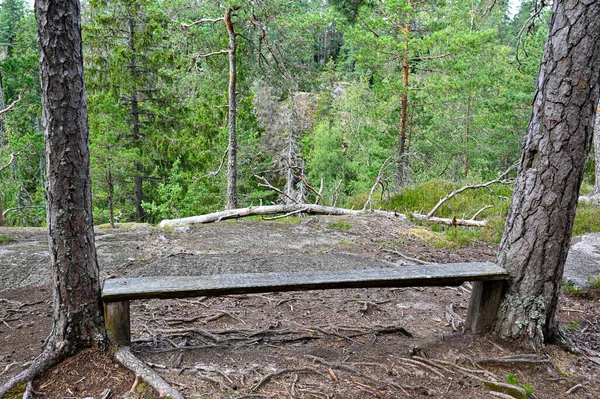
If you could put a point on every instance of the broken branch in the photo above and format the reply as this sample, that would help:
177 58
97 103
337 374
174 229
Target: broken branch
11 106
500 180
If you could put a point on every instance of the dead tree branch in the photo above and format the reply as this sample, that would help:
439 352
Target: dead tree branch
268 185
500 179
272 210
11 106
369 201
216 172
479 211
450 222
311 188
12 159
211 54
202 21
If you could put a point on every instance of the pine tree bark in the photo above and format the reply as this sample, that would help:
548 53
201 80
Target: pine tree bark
401 162
140 214
78 320
77 307
597 152
538 230
232 200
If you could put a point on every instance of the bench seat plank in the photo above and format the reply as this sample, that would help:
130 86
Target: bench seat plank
122 289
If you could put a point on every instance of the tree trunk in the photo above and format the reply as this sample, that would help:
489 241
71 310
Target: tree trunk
2 106
538 230
140 214
78 320
467 132
401 162
232 201
597 152
111 198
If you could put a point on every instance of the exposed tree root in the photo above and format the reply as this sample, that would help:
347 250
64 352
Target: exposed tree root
516 359
48 358
124 356
266 378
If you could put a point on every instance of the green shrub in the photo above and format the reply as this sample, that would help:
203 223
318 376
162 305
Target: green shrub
527 387
595 283
587 219
339 225
569 287
5 239
572 327
423 197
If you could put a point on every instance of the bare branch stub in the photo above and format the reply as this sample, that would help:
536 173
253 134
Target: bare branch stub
12 159
500 179
11 106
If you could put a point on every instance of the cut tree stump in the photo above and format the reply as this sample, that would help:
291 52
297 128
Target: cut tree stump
117 293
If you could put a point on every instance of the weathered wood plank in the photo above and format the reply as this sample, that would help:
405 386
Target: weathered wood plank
117 322
225 284
485 301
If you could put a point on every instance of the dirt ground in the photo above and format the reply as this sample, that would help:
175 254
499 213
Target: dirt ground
358 343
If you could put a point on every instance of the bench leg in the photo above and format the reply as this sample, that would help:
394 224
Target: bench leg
485 300
116 321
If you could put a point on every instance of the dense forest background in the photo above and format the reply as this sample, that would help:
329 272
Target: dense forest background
332 96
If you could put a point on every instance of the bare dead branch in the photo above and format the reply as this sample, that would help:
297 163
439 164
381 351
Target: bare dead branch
286 215
268 377
211 54
320 191
20 208
268 185
12 105
450 221
271 210
500 179
481 210
216 172
12 159
202 21
369 201
415 260
311 188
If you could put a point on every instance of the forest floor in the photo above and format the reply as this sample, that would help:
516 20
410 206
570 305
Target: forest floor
357 343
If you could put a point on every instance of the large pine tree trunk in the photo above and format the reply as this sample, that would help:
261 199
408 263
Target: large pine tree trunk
536 238
597 152
78 313
232 200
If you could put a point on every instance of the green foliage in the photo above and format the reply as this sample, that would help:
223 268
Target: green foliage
527 387
339 225
571 288
462 76
512 379
587 219
4 239
16 392
572 327
596 284
423 197
182 195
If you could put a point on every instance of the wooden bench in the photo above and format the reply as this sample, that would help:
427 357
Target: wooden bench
488 283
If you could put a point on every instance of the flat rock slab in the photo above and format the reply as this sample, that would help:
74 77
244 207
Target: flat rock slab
583 261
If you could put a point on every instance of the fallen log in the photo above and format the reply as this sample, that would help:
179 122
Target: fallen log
311 209
450 222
